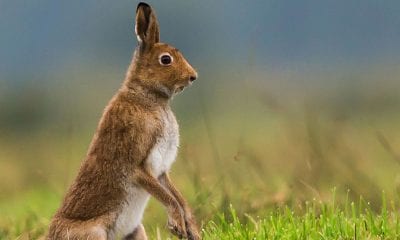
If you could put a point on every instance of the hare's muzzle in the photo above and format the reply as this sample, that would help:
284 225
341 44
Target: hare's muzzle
193 77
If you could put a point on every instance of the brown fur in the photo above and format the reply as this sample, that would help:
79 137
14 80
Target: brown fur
127 131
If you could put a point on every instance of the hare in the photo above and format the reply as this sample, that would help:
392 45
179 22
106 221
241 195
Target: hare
132 150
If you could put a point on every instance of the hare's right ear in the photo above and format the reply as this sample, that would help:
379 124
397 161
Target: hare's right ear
147 29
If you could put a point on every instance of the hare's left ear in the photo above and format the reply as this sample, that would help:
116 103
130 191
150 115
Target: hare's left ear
147 29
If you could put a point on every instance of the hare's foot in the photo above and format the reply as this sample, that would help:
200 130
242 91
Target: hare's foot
176 222
138 234
191 229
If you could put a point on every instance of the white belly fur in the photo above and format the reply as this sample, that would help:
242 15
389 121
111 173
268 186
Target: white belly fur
159 161
164 152
132 212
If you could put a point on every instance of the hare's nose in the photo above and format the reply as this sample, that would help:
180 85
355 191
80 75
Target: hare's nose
193 77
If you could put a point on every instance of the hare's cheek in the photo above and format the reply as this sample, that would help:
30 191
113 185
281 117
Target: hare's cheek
170 80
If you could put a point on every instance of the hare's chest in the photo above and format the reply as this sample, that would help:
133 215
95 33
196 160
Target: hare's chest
164 152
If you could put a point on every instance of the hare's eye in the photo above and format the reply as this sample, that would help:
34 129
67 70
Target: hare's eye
165 59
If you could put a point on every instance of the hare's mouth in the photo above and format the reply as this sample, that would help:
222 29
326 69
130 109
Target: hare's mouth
179 89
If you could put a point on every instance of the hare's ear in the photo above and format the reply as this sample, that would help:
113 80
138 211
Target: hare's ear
147 29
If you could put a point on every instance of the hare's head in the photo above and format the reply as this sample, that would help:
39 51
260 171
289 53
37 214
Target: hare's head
158 66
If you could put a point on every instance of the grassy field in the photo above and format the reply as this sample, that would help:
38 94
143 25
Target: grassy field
28 217
273 157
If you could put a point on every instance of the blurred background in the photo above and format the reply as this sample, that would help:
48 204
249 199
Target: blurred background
294 99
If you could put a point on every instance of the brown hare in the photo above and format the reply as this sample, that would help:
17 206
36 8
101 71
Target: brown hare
132 150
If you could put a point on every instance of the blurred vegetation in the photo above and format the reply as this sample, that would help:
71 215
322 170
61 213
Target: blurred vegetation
256 141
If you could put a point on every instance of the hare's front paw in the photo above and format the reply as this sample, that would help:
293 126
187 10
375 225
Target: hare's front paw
192 229
176 222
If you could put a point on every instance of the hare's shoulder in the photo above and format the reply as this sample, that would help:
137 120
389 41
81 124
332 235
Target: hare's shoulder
130 116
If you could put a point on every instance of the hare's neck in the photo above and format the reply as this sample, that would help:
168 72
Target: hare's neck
145 95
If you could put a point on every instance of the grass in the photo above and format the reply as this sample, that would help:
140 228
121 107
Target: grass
28 217
262 152
269 180
319 221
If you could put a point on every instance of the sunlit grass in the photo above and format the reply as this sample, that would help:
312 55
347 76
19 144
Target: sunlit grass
28 218
280 162
320 221
28 215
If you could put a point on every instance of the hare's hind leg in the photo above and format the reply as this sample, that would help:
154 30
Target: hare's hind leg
138 234
65 230
96 233
92 233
